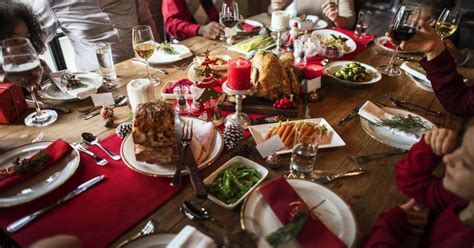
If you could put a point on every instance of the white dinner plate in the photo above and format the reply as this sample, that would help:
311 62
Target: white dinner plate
383 135
257 216
260 131
419 78
380 43
333 67
51 92
155 240
426 85
159 170
42 183
328 32
160 57
312 23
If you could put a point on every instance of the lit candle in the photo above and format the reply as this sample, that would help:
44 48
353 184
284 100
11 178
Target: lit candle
238 74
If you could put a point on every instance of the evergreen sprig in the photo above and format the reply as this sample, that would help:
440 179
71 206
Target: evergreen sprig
401 122
33 164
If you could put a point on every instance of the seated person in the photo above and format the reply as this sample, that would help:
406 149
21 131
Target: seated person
448 85
464 57
342 15
450 198
184 19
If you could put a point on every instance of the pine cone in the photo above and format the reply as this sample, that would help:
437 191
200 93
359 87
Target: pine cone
244 150
233 135
123 129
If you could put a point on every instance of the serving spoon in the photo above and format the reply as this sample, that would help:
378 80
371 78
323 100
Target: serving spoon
90 139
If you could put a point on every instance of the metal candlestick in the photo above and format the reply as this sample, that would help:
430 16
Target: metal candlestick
238 117
278 49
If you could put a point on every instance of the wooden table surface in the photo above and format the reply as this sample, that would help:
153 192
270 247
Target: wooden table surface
367 195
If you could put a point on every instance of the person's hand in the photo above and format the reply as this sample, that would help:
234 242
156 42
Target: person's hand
211 30
331 10
441 140
277 5
417 216
452 49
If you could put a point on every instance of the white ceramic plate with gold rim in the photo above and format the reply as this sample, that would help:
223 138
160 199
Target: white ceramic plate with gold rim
257 217
331 68
160 170
42 183
351 44
160 240
159 57
91 79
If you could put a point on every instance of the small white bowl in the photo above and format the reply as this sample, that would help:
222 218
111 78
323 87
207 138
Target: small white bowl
262 170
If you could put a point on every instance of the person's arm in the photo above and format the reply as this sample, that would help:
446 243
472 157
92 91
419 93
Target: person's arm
146 18
47 18
390 230
415 178
278 5
178 20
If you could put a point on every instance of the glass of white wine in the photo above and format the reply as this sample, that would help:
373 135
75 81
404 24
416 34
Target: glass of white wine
448 22
144 46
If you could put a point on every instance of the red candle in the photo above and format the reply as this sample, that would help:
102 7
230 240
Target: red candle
238 74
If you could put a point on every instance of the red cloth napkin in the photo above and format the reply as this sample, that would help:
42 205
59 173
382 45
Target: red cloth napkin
100 215
56 151
388 44
248 27
279 194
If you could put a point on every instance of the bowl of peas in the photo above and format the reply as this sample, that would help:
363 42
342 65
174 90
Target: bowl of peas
352 73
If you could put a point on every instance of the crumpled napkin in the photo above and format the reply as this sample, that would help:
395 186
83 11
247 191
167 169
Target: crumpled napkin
409 68
58 78
203 137
192 238
374 114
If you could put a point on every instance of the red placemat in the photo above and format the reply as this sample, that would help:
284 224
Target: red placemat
100 215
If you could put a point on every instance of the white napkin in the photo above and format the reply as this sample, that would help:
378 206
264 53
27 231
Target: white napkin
81 92
406 67
203 136
192 238
374 114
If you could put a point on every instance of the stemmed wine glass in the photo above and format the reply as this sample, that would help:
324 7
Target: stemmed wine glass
402 28
22 67
229 15
448 22
144 46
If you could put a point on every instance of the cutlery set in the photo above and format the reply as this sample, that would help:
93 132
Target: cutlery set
94 111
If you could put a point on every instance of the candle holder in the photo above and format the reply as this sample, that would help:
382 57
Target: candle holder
238 117
278 51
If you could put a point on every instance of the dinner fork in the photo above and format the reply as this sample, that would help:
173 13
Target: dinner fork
98 160
186 136
370 157
349 116
149 228
403 104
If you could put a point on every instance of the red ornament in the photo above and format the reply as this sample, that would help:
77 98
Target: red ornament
284 103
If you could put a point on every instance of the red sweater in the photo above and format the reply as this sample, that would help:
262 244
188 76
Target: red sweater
448 85
179 21
415 179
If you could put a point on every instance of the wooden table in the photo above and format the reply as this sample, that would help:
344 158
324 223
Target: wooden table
368 195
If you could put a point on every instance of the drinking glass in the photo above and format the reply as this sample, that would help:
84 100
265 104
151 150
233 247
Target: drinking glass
362 23
402 28
22 67
300 51
448 22
229 15
106 61
305 150
144 46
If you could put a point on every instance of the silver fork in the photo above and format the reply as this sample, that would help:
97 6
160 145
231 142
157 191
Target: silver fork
98 160
149 228
186 136
370 157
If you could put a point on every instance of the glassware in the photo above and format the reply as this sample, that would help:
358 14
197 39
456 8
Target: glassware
402 28
144 46
300 51
195 93
448 22
305 150
330 53
106 62
22 67
362 23
182 106
229 15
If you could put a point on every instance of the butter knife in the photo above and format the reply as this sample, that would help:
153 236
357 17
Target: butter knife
327 179
15 226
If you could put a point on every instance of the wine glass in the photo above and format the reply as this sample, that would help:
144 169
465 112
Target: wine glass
144 46
22 67
402 28
229 15
448 22
362 23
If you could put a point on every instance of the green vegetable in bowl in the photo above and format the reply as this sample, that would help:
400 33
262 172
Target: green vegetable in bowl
233 182
353 72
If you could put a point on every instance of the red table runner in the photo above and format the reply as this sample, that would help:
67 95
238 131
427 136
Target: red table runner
100 215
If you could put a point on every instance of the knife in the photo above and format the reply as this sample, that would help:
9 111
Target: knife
327 179
15 226
137 61
196 181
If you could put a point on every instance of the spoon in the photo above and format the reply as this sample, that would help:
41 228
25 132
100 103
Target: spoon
90 139
196 211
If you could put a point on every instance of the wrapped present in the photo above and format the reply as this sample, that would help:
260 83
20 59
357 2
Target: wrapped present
12 103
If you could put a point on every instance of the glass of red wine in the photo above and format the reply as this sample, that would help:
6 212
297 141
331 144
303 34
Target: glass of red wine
22 67
402 28
229 15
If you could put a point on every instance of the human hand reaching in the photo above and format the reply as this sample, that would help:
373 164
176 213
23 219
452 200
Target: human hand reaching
441 140
212 30
417 216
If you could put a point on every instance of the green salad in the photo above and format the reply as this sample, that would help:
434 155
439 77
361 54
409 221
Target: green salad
353 72
166 48
233 182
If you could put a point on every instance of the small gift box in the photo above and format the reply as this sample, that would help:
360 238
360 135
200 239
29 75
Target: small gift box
12 103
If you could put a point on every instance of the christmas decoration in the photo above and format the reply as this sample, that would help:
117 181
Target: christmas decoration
314 96
123 129
107 112
244 150
109 122
284 103
273 161
233 135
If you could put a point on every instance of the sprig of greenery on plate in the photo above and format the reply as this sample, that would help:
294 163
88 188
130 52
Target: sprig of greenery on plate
402 122
166 48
